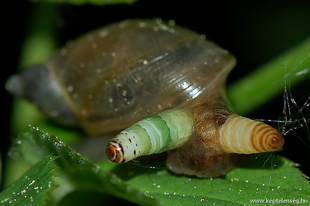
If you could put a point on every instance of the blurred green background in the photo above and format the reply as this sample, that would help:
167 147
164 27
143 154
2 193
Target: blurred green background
254 31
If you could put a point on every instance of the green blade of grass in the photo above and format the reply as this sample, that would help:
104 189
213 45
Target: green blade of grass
267 81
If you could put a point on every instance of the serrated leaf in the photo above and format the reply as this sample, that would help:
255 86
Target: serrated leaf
33 186
84 174
257 179
242 185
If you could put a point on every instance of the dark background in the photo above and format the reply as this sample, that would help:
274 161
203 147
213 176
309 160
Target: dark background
254 31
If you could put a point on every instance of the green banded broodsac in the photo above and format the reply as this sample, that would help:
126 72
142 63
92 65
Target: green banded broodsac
112 77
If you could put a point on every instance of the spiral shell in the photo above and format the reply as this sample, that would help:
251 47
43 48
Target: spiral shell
115 76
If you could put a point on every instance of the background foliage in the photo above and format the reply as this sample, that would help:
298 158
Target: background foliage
255 32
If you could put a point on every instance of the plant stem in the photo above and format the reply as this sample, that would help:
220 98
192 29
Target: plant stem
267 81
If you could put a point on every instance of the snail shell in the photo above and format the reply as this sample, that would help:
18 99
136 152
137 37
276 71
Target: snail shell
115 76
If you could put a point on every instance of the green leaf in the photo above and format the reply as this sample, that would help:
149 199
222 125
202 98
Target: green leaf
257 179
83 174
33 186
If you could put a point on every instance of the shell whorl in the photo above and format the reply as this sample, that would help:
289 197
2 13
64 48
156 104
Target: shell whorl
155 134
245 136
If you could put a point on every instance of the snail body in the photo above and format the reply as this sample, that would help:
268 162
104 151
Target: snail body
118 75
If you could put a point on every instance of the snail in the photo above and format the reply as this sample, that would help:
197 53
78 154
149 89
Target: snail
164 83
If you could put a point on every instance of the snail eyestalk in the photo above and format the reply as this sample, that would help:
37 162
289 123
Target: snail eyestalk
155 134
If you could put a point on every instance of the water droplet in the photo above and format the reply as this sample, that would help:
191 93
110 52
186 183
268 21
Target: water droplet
94 45
75 96
83 112
293 164
32 182
70 88
124 93
142 24
90 37
82 65
103 33
5 200
158 21
63 51
119 84
171 22
202 36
